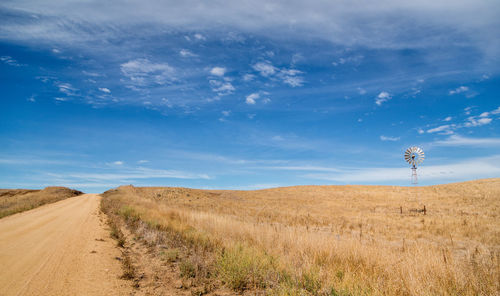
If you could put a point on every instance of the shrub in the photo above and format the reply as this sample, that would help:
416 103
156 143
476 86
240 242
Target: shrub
242 267
187 269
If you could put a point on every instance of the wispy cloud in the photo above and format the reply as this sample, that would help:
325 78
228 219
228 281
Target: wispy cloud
138 173
218 71
442 128
251 98
392 139
475 121
221 87
382 98
458 90
265 69
142 72
457 140
464 170
375 25
186 53
91 74
104 90
199 36
10 61
288 76
66 88
355 59
248 77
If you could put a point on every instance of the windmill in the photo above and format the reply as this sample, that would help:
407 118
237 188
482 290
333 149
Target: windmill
414 156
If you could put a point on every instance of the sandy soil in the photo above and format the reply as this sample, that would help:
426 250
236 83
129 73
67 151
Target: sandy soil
62 248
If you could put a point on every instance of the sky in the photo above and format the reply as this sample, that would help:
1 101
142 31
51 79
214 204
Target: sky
247 94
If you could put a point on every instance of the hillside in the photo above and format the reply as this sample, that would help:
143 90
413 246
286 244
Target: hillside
325 239
18 200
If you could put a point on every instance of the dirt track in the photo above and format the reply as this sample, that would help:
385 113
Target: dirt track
57 249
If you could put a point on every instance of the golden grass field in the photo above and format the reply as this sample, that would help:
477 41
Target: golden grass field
18 200
323 240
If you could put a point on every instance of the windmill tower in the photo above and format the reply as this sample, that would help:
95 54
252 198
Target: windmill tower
414 156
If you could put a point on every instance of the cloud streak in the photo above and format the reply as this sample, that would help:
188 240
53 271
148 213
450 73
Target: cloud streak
384 24
465 170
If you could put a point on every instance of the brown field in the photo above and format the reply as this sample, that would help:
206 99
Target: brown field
321 240
18 200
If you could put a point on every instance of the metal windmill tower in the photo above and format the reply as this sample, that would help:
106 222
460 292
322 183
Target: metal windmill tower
414 156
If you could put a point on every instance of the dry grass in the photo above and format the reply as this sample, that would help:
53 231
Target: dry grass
330 240
18 200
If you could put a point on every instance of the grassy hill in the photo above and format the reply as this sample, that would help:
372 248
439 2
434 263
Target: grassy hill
18 200
324 240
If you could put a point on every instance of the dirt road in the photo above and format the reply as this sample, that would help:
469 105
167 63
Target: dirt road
58 249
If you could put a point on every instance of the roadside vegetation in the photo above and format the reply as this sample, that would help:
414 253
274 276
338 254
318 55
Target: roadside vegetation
322 240
19 200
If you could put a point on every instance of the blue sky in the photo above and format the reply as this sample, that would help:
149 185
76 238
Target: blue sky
247 94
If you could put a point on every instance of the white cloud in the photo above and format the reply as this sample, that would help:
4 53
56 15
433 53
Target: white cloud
198 36
265 69
496 111
420 131
32 99
10 61
473 121
248 77
187 53
449 118
91 74
142 72
221 87
61 99
393 139
456 140
129 175
288 76
302 168
293 81
218 71
250 99
458 90
142 161
226 113
380 24
105 90
118 162
356 59
382 97
361 91
66 88
446 127
55 50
